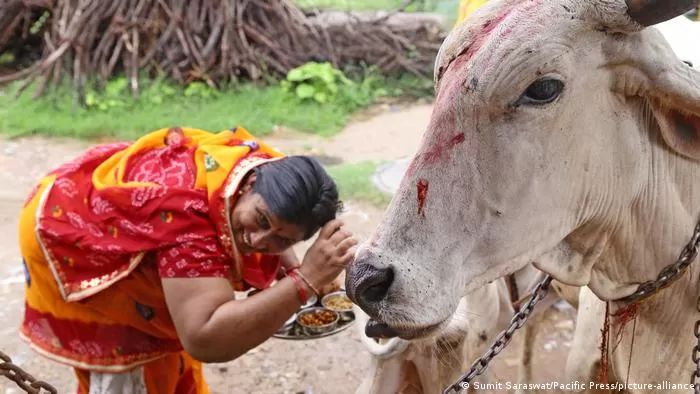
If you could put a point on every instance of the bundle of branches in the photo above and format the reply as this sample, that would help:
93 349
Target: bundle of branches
210 40
17 22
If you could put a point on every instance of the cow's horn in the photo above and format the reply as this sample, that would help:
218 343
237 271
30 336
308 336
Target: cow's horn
651 12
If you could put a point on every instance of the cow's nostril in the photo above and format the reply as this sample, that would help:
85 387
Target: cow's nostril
378 292
376 284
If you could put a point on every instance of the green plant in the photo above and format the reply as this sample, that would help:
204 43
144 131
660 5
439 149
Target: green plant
111 97
200 90
113 112
370 84
7 58
315 81
117 94
39 24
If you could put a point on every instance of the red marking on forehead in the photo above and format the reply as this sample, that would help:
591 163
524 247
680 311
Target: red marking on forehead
480 35
436 153
422 193
432 156
456 140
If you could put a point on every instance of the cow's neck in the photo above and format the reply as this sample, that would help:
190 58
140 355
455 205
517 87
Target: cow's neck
648 232
660 223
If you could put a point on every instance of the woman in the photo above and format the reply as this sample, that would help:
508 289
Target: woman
132 254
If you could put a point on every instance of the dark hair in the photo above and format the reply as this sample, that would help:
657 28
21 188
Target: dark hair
299 191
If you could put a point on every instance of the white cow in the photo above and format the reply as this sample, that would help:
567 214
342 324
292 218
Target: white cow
564 132
429 365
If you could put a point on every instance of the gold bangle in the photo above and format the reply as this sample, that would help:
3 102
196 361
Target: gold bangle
318 293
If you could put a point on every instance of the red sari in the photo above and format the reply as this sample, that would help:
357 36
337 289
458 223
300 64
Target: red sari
99 233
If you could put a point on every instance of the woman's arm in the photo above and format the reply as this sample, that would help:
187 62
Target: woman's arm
288 262
289 259
215 328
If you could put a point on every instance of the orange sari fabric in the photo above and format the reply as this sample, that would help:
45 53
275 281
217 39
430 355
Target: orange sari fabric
98 234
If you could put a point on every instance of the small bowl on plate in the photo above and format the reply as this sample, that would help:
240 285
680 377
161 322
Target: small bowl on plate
317 320
339 302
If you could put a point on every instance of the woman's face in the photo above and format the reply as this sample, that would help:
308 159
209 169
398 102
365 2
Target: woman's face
256 229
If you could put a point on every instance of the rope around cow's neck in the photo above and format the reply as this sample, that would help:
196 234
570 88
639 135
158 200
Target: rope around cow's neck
665 278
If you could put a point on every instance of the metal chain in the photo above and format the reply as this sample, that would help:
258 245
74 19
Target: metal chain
669 274
696 354
24 380
480 365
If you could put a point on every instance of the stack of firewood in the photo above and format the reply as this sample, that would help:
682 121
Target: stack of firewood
207 40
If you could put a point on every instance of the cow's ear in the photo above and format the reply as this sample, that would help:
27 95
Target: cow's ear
648 67
680 129
674 99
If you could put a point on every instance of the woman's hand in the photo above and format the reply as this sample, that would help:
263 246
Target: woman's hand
332 251
335 285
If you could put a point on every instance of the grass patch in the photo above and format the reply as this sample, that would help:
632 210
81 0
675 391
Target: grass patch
257 108
355 183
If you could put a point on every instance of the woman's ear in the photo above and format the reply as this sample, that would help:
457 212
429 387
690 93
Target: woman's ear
248 183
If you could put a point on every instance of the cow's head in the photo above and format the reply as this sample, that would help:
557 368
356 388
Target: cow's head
547 118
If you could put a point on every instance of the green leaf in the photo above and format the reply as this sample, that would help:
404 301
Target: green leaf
296 75
168 90
305 91
327 74
286 85
115 103
321 97
116 86
333 88
90 99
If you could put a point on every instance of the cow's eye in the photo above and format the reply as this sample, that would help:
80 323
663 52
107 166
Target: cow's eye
542 91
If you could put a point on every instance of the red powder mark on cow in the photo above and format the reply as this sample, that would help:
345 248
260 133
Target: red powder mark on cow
433 155
436 153
456 140
422 193
483 35
452 83
622 317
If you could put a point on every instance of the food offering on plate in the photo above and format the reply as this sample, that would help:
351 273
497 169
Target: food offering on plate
339 302
318 320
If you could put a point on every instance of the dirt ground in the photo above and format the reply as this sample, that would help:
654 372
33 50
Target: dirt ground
330 365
